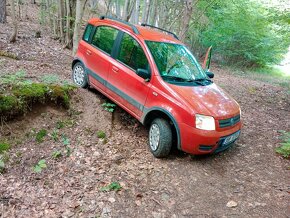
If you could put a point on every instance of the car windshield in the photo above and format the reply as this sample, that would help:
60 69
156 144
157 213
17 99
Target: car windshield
175 62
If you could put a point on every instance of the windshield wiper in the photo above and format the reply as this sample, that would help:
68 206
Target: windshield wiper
176 78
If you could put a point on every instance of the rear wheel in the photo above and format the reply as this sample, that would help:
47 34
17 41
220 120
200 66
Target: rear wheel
160 138
79 75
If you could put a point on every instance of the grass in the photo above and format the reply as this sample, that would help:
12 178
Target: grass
101 134
56 154
284 148
40 135
4 146
270 75
114 186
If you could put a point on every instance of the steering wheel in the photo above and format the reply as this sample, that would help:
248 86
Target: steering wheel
172 67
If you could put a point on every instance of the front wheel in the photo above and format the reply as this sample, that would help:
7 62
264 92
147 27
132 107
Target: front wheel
79 75
160 138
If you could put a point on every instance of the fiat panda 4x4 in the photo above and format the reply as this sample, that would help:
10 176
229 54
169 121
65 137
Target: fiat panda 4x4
156 79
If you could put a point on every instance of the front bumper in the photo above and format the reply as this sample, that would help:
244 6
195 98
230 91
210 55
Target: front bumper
196 141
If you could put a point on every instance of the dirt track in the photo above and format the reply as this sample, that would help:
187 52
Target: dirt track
250 173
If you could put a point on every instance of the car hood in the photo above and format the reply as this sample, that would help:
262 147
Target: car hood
208 100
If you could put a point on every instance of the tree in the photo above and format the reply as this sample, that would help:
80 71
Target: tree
78 19
186 19
14 21
2 11
247 33
145 16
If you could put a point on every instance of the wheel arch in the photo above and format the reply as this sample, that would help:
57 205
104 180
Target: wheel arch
155 112
76 60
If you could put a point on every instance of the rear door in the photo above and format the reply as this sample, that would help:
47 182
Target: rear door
124 84
98 55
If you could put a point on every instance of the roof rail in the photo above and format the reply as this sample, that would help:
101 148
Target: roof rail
135 30
155 27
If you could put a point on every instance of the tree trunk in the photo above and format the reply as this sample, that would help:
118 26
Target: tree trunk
14 21
68 18
78 20
2 11
60 18
147 5
153 16
118 10
137 12
186 19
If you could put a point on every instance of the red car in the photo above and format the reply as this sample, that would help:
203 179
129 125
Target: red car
155 78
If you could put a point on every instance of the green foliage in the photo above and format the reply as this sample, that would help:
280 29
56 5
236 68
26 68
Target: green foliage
284 149
40 135
246 33
109 107
114 186
65 140
56 154
54 135
4 146
60 124
101 134
50 79
40 166
64 123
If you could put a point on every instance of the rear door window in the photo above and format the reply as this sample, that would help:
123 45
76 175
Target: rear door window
132 54
104 38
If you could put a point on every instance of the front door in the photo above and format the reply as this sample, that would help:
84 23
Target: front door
124 84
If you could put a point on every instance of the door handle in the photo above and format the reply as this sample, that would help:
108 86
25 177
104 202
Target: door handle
115 69
89 52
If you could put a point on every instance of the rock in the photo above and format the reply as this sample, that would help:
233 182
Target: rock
112 200
138 202
232 204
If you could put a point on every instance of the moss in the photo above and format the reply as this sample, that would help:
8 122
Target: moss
8 55
8 102
4 146
60 94
32 92
18 98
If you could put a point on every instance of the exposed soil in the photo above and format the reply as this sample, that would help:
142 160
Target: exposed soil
250 173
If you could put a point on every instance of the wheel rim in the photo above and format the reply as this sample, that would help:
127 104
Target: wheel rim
154 136
79 75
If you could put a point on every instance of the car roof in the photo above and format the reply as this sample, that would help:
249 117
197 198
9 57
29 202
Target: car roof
145 33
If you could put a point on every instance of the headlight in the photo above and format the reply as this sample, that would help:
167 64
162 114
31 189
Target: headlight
204 122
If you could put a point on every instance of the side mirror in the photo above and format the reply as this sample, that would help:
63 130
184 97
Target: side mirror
144 74
209 74
207 59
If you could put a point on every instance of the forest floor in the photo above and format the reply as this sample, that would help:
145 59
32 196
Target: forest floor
250 173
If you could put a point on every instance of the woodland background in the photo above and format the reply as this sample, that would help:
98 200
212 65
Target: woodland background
245 33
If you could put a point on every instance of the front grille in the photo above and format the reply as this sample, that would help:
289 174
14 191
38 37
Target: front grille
229 122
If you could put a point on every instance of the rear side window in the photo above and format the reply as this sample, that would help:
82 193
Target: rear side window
104 38
132 54
87 32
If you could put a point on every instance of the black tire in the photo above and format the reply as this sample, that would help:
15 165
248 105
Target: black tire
164 140
81 81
